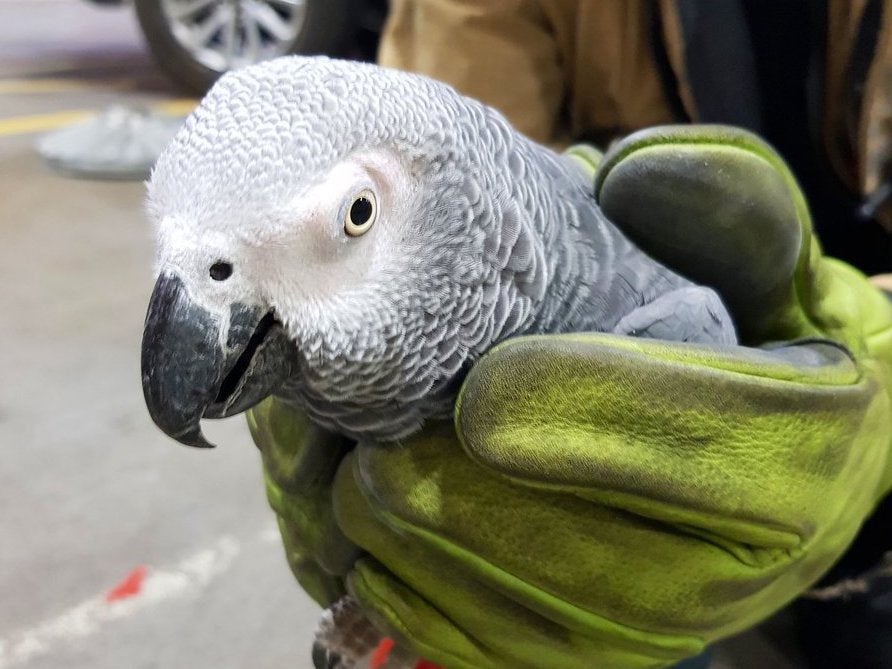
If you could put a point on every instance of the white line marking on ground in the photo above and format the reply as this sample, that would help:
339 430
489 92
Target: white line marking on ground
189 575
270 535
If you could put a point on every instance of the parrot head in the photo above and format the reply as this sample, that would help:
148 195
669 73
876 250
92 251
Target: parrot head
315 242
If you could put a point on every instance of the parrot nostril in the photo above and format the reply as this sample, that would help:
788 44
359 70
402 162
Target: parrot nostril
220 271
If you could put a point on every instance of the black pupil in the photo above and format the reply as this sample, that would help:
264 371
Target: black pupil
360 211
220 271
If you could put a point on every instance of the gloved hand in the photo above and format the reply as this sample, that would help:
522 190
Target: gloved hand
614 502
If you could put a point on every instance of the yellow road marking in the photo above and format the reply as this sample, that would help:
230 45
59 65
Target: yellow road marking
38 86
176 107
22 125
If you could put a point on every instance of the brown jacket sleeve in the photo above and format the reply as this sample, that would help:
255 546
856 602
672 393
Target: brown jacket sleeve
499 51
560 70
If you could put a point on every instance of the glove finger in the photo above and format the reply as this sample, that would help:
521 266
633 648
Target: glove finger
316 549
460 592
297 454
510 566
759 447
718 205
299 464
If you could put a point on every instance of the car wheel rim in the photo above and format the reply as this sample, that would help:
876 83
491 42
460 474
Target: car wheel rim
226 34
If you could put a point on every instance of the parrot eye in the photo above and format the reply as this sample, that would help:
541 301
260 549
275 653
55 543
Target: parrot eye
362 214
220 271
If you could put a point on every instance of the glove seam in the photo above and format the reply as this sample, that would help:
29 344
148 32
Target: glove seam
509 585
785 550
625 342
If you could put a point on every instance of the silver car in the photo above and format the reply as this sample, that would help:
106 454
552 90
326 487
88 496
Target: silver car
194 41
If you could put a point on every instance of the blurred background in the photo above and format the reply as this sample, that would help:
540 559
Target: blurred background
118 547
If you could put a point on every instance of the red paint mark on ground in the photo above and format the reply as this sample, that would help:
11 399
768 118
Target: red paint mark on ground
129 587
379 656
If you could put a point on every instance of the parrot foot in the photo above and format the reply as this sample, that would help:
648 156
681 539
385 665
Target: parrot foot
325 659
345 637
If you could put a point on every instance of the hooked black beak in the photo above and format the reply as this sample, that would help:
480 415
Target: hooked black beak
189 373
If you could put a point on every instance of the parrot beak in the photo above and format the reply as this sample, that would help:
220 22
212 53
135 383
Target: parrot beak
189 374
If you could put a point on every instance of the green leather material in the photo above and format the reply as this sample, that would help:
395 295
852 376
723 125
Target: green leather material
299 464
720 206
609 501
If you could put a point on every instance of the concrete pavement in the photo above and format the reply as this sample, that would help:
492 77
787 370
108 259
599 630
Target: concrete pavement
90 491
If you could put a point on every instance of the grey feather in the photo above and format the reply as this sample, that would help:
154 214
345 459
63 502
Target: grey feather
483 235
506 238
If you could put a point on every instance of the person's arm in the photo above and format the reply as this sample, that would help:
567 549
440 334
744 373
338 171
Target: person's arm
883 282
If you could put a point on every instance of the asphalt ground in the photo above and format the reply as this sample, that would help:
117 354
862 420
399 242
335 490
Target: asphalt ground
118 547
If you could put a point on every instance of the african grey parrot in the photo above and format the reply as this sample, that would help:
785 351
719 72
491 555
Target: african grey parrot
351 239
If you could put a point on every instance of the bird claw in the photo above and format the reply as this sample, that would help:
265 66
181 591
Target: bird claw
323 658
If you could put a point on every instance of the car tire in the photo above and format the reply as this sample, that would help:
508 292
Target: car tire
327 26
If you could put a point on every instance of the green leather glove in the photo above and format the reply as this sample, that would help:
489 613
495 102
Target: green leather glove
604 501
